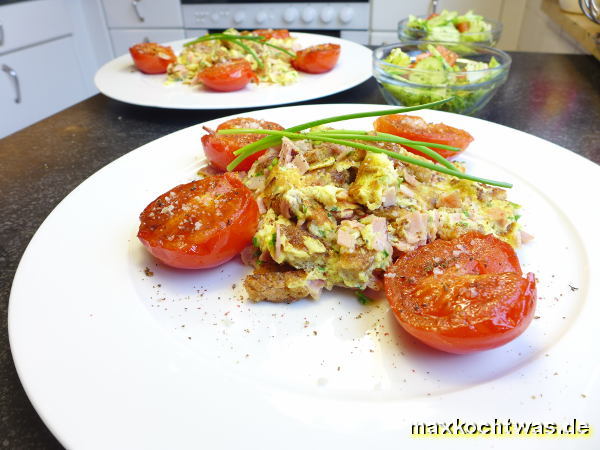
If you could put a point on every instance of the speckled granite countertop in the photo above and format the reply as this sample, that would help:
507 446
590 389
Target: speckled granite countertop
555 97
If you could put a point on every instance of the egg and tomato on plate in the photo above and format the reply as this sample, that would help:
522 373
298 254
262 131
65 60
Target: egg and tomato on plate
311 215
228 61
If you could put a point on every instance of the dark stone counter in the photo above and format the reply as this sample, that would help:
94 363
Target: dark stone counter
555 97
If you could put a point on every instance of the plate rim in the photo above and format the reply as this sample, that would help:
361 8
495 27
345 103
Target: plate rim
107 67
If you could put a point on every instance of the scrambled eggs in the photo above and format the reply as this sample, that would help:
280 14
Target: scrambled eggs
333 215
276 64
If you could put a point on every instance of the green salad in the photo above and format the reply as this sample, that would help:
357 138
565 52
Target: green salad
439 73
449 26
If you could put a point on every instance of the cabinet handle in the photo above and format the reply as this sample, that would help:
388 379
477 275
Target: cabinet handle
136 8
1 34
434 5
15 79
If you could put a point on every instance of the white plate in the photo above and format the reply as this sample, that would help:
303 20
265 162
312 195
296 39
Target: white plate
113 358
119 79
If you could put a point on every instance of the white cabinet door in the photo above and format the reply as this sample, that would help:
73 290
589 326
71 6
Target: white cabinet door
49 80
123 39
143 13
28 23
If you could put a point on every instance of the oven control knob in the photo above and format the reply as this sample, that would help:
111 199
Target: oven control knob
327 14
346 15
261 17
290 14
309 14
239 17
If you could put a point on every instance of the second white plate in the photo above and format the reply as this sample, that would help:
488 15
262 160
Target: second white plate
120 80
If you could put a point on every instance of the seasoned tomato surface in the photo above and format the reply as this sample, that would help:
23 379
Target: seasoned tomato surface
463 295
200 224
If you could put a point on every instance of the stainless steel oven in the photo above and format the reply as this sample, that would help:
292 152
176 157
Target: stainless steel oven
348 20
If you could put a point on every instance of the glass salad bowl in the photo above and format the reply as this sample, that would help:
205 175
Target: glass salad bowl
415 72
450 27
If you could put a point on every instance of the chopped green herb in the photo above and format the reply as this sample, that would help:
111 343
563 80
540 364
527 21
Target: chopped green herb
255 242
362 298
385 253
273 239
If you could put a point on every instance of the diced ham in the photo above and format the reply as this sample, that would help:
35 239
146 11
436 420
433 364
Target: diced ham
389 197
526 237
406 190
381 242
284 208
285 154
300 163
261 205
416 228
249 256
346 239
410 179
315 287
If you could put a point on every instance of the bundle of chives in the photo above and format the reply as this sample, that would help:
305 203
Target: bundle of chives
341 137
269 141
446 168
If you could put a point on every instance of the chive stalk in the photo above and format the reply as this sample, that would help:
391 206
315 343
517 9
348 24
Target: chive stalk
379 133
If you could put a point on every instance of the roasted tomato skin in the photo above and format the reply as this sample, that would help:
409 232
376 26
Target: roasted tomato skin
317 59
463 295
227 77
219 148
152 58
201 224
417 129
270 33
